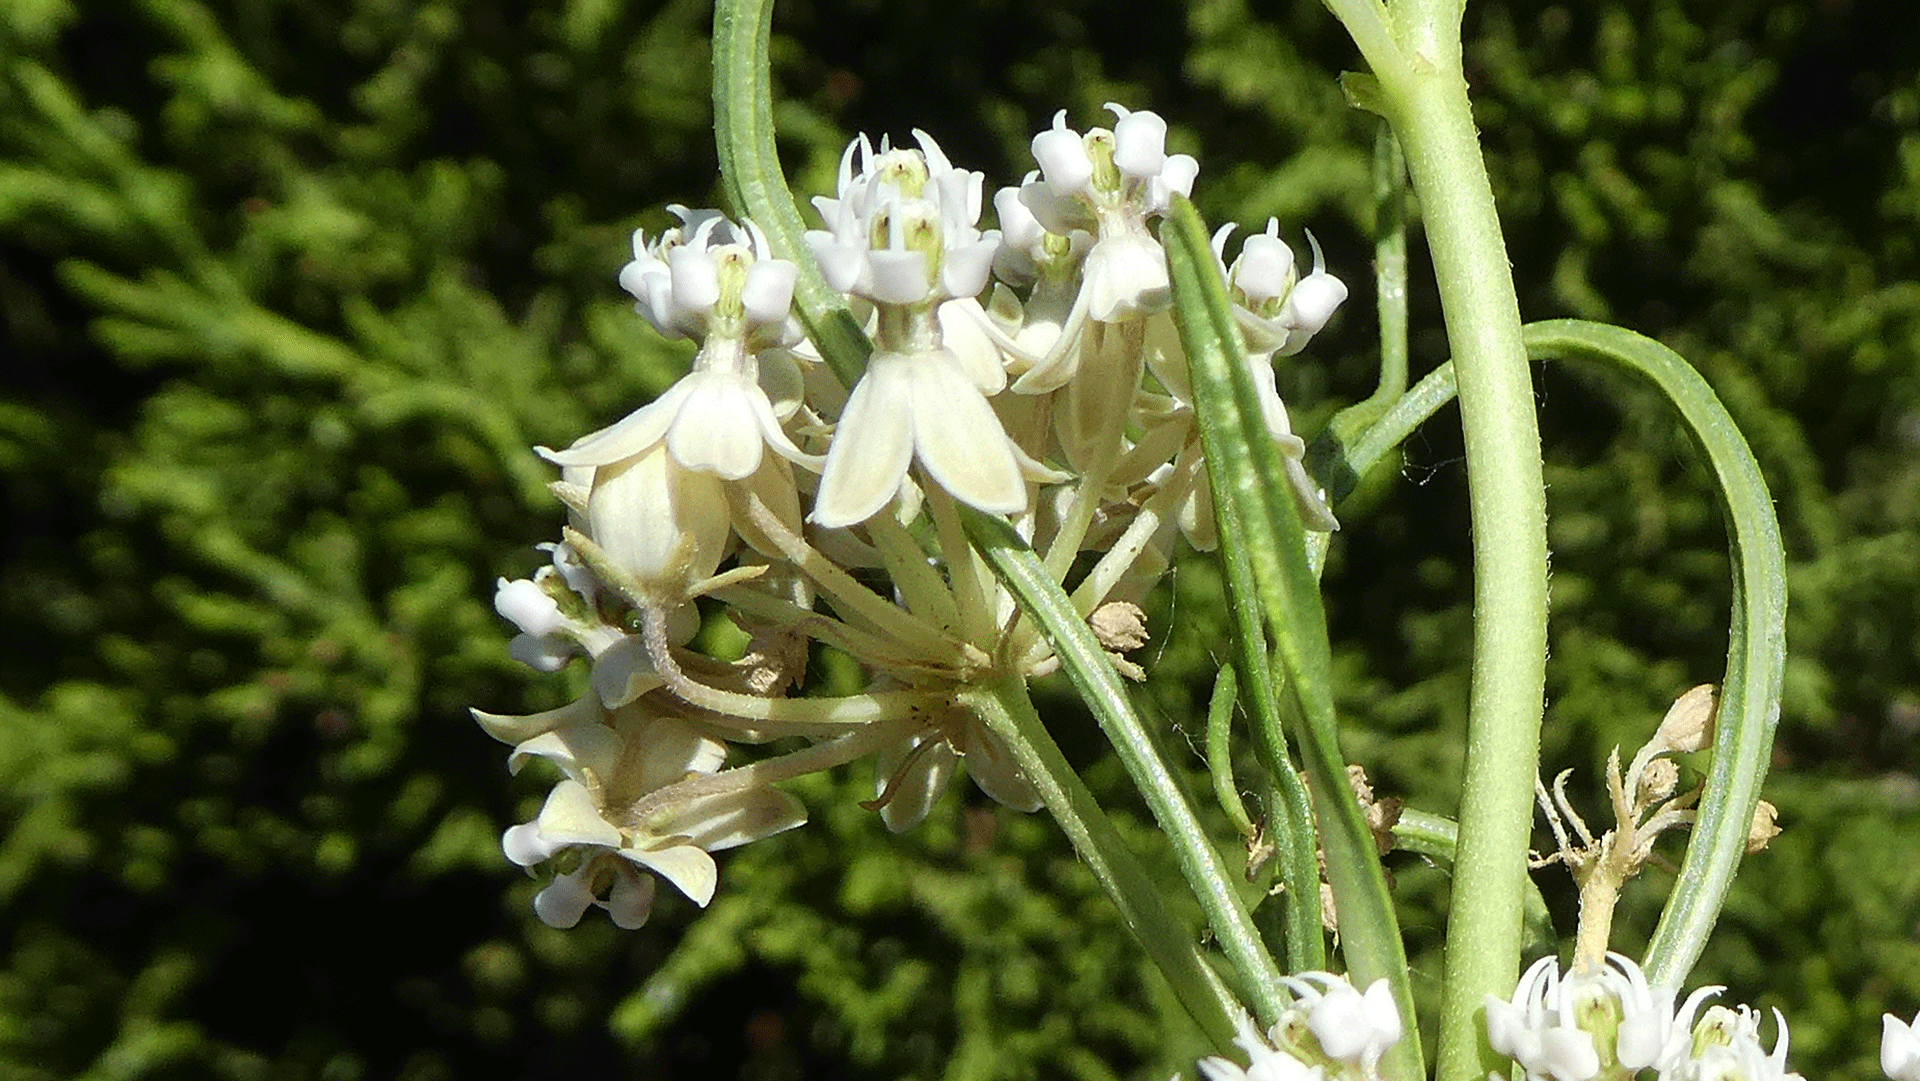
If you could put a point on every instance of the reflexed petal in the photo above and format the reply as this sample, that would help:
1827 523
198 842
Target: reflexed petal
582 751
665 525
667 749
517 730
542 654
995 772
717 430
1568 1054
1126 275
959 439
915 789
690 869
963 327
717 823
630 435
872 445
571 817
623 672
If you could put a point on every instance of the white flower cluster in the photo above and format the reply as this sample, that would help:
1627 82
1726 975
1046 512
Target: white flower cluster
1609 1022
1031 371
1332 1031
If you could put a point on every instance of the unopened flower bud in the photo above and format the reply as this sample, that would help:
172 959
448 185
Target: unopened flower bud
1688 725
1657 782
1763 831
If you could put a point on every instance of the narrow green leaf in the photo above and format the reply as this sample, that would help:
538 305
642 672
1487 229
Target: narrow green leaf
1257 514
1756 646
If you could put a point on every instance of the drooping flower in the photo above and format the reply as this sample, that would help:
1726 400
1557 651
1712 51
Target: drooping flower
592 822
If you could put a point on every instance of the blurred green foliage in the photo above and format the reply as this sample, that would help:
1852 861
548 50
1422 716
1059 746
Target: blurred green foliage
288 289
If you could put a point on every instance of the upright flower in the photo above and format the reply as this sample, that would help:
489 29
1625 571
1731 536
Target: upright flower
903 234
655 500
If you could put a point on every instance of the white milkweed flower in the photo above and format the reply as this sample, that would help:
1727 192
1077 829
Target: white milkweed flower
1572 1027
1725 1046
1277 310
1332 1029
1109 183
716 282
902 233
552 609
1900 1048
903 229
612 761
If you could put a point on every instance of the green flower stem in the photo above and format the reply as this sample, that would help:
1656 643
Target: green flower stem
1422 91
1086 664
1174 948
750 168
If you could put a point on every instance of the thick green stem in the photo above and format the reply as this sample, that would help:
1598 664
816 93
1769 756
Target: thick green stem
1425 98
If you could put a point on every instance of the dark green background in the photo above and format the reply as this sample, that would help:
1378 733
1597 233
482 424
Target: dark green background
288 289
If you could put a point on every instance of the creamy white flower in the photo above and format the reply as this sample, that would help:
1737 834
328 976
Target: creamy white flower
710 277
1265 1062
1725 1046
1352 1027
1109 183
1900 1048
903 227
1571 1027
1277 311
612 761
549 636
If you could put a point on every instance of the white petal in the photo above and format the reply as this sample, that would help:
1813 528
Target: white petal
564 901
665 525
959 439
1126 275
914 790
717 823
517 730
623 672
872 445
995 772
580 750
1063 160
628 436
690 869
669 749
630 901
717 430
542 654
963 327
571 817
524 845
1140 144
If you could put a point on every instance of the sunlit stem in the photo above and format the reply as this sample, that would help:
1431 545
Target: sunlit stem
847 593
972 582
800 713
821 756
